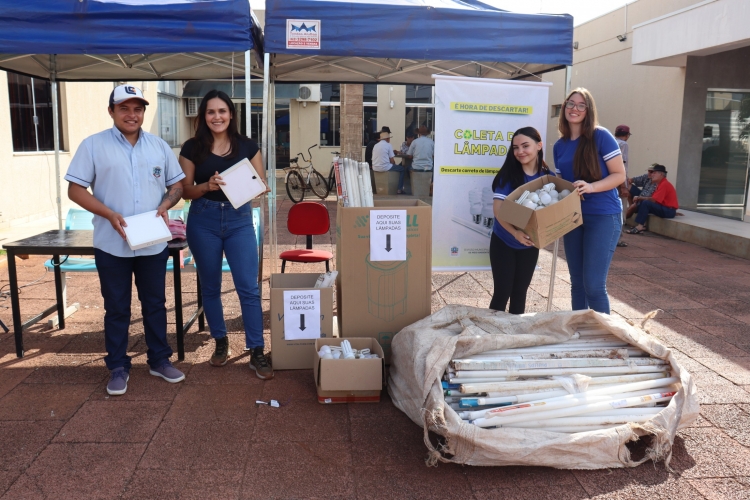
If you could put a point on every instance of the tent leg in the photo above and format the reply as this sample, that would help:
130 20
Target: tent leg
56 135
248 129
552 275
269 123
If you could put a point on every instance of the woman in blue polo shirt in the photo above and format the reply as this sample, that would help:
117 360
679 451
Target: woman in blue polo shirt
588 156
512 254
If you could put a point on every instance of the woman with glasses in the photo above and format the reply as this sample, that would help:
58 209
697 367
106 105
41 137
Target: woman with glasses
588 156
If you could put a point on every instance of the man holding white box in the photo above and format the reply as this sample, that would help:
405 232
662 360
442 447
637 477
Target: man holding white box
130 172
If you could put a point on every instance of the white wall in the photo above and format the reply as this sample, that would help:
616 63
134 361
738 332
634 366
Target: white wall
647 99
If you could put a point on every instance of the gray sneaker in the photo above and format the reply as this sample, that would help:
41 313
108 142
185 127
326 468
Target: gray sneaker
261 364
118 382
168 372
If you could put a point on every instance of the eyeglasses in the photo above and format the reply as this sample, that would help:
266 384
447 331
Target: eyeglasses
581 106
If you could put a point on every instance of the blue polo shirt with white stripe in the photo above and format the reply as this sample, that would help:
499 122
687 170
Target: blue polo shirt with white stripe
128 179
606 202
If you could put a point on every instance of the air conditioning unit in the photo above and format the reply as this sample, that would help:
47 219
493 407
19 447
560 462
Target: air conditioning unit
309 93
191 106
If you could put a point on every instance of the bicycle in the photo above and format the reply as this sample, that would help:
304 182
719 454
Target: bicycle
296 185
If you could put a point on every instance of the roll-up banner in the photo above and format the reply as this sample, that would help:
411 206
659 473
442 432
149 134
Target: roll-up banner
474 123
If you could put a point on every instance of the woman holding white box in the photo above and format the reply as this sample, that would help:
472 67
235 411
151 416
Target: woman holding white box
513 256
215 228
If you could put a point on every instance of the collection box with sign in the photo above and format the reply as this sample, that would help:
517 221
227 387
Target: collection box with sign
547 224
384 259
300 314
348 380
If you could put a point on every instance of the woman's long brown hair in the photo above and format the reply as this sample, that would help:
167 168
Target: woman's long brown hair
586 160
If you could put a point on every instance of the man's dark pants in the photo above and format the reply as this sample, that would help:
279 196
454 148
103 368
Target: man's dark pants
647 207
116 278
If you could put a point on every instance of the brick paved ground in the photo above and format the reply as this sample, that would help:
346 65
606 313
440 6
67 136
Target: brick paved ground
62 437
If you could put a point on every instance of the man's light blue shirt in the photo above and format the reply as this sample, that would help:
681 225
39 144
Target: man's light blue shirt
128 179
422 150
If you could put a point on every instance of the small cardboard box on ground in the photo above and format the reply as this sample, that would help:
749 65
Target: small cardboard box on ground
550 223
296 354
349 380
378 299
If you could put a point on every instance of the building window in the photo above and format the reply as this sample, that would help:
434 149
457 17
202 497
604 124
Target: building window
31 114
369 123
330 92
330 123
420 110
419 94
168 104
417 116
556 109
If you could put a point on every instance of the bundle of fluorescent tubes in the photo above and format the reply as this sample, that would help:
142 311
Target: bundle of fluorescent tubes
356 185
593 381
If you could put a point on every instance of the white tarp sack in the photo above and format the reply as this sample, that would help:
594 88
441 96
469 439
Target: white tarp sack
421 353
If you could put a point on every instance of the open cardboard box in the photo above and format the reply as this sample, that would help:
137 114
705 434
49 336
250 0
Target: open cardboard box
550 223
379 299
296 354
349 380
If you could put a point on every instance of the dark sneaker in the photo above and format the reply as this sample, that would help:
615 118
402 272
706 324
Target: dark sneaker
261 364
221 352
168 372
118 382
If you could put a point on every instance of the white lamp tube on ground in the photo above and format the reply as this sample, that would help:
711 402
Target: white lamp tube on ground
566 352
581 420
491 364
514 387
655 397
604 370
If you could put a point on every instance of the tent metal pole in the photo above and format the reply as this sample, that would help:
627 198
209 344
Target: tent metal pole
273 235
568 75
248 133
268 114
56 135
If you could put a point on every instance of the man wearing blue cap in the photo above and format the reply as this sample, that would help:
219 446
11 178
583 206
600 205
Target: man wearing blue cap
129 172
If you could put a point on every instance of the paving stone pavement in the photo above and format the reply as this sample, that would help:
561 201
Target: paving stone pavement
61 436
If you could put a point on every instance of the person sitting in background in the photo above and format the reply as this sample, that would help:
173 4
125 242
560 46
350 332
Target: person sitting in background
383 159
663 203
422 151
410 136
642 186
371 145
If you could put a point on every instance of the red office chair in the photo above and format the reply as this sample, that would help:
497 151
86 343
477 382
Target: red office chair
308 218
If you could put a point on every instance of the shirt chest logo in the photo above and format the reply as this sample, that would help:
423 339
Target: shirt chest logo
157 172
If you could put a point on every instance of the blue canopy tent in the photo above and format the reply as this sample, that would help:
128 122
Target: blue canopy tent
121 40
402 42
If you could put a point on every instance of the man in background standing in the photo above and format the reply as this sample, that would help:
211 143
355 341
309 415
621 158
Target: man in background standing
622 134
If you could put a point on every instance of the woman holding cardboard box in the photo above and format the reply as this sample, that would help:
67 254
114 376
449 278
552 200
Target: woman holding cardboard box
215 228
512 254
588 156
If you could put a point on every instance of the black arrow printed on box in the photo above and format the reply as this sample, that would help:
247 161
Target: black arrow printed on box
302 322
387 242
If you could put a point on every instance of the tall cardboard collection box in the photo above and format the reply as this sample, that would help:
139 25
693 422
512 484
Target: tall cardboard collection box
378 299
547 224
296 354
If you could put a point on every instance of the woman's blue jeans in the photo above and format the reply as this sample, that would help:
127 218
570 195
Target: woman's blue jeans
215 229
589 249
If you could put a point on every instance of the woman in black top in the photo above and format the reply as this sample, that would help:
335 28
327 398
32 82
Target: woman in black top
215 228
